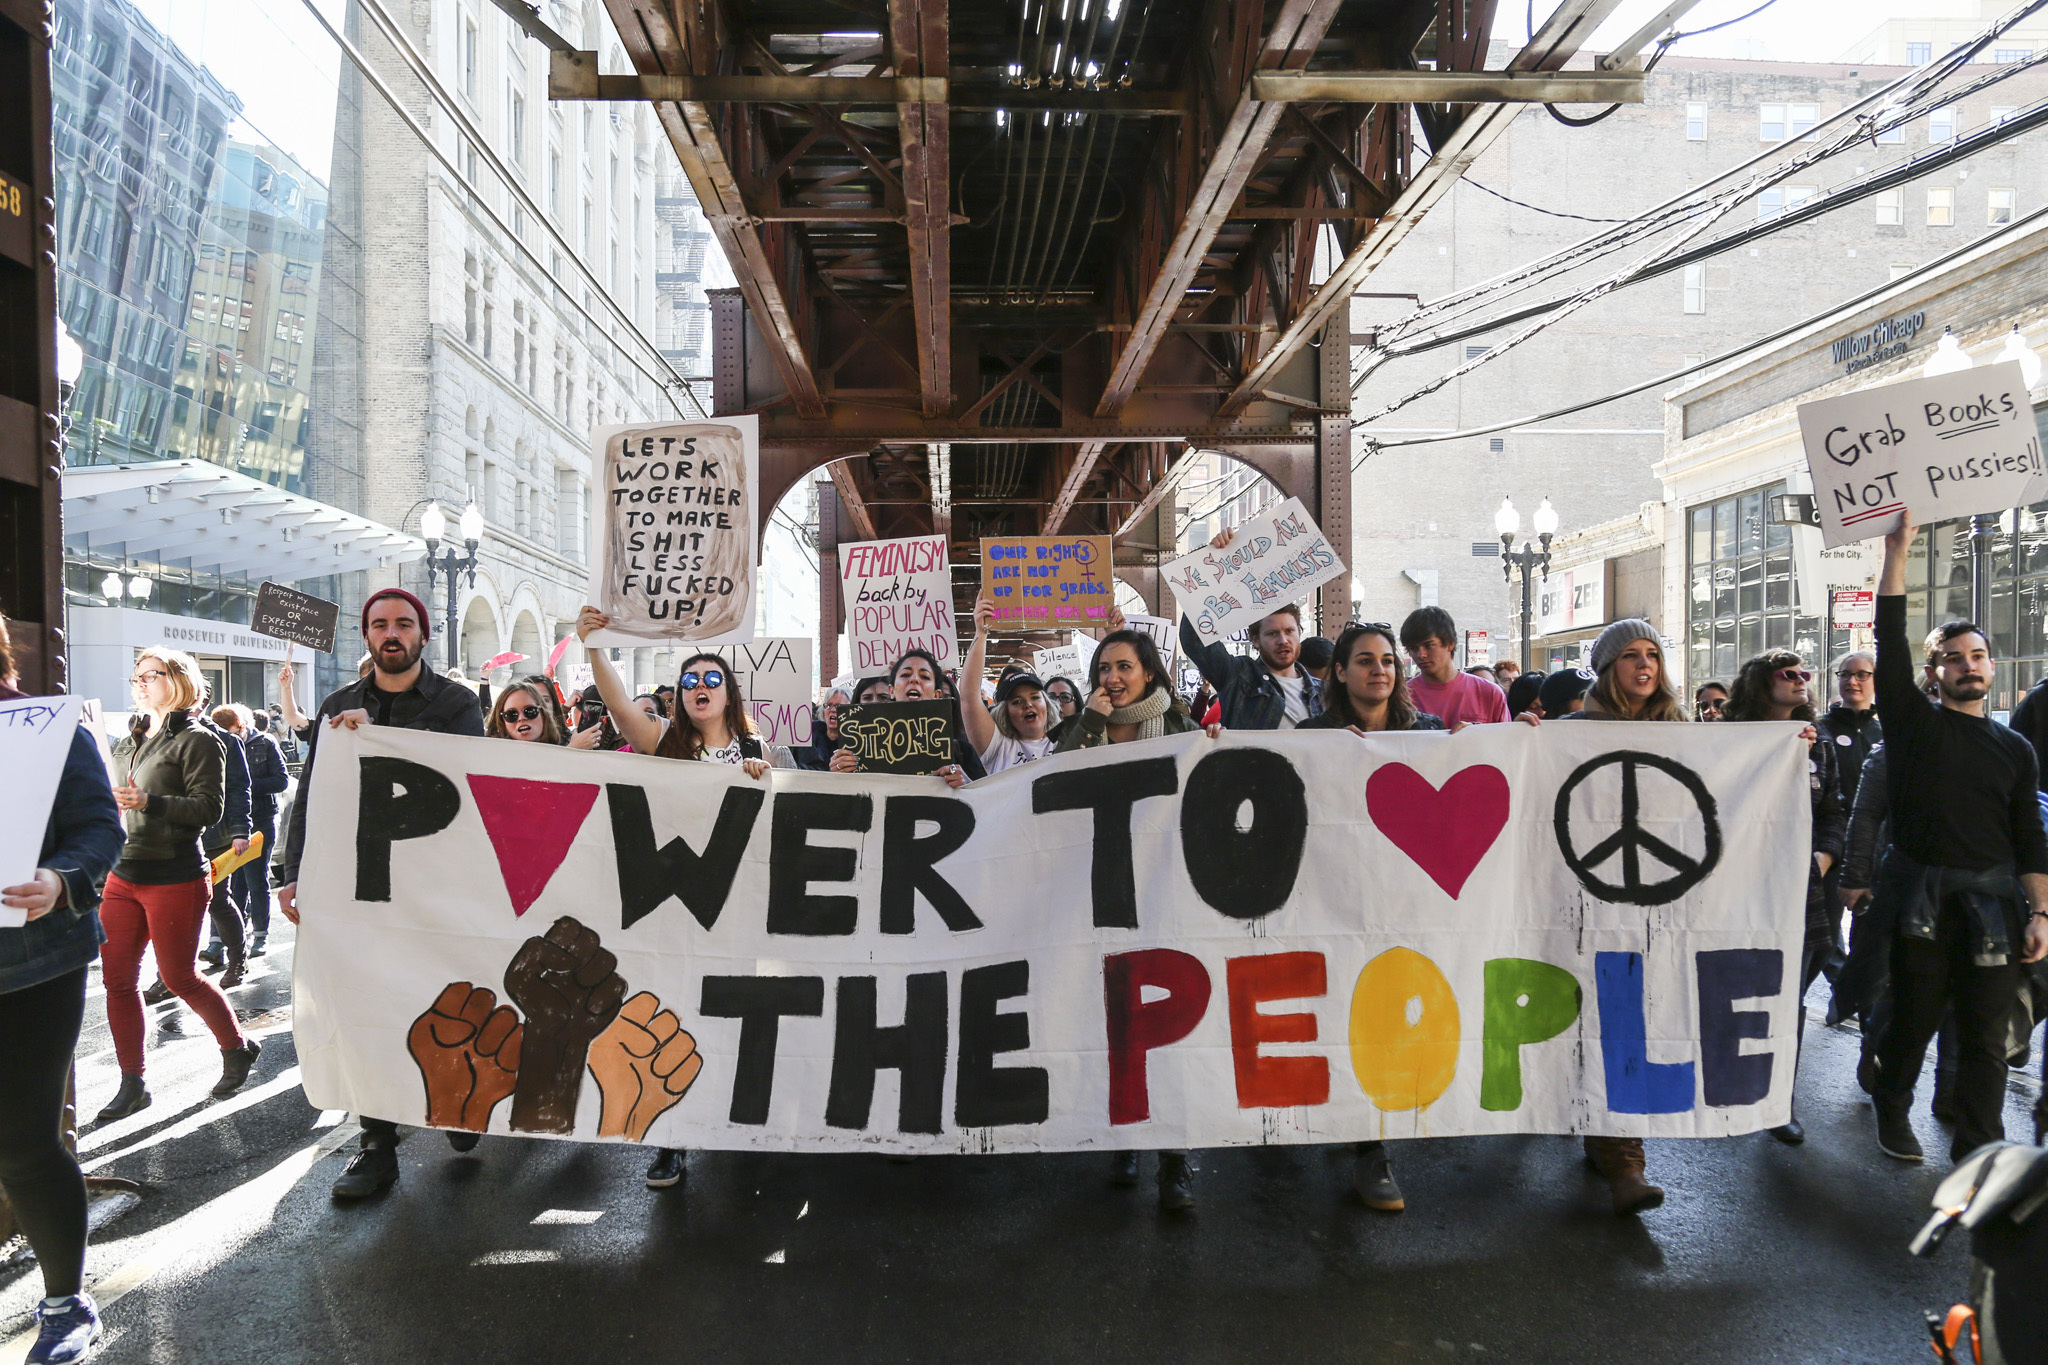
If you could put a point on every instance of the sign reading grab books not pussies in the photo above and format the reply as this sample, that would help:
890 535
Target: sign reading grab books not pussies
1178 942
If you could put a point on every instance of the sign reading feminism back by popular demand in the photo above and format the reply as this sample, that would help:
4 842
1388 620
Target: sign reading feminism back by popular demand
674 507
1273 559
1049 582
899 596
1263 938
1925 448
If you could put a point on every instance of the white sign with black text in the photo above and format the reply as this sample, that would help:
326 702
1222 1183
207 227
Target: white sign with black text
1572 599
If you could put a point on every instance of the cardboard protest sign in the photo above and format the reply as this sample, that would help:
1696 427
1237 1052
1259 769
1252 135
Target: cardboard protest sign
287 614
1929 448
35 737
775 677
899 596
898 736
1165 634
1571 929
674 505
1048 582
1274 558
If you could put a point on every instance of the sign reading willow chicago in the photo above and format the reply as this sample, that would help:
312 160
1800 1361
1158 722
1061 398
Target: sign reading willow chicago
1263 938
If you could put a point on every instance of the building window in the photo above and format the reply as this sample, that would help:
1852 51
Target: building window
469 299
1894 134
469 44
1795 195
2011 54
1999 113
1900 272
1919 54
1741 599
1802 118
1474 352
2000 206
1941 207
1696 289
1695 123
555 183
1771 123
1941 124
1770 203
1891 207
516 117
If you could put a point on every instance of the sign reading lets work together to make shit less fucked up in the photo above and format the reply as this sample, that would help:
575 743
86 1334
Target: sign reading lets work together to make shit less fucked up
675 510
1929 449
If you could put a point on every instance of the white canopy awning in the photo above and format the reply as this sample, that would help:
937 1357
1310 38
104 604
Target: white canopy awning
215 519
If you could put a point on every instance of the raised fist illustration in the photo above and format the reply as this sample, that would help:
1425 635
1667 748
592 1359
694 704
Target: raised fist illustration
644 1063
467 1048
565 983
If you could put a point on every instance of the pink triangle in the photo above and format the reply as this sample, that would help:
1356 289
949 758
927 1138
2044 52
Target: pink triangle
531 825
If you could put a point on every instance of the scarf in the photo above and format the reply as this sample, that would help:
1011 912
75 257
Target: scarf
1148 713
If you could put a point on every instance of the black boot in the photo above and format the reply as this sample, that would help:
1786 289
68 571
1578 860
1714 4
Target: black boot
132 1098
1372 1177
1790 1132
369 1171
157 993
1895 1130
1176 1182
234 1066
463 1141
237 969
1123 1169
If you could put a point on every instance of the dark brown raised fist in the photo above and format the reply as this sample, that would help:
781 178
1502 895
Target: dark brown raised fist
566 984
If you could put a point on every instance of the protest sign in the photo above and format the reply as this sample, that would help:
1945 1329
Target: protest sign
898 736
1067 661
1854 610
1571 929
287 614
1274 558
898 596
1048 582
35 737
1165 634
674 509
1925 448
775 677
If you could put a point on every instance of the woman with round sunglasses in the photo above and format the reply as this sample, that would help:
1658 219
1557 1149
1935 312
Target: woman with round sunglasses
1774 685
711 725
1368 693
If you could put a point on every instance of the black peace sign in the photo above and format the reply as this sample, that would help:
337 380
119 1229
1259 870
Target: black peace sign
1632 841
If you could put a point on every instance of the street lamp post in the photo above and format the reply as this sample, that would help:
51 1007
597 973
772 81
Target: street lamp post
1531 558
447 562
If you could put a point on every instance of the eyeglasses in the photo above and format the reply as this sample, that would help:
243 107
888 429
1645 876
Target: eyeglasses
522 713
1794 675
1856 675
710 678
145 679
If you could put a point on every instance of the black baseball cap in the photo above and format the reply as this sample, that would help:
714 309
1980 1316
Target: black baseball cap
1015 681
1564 687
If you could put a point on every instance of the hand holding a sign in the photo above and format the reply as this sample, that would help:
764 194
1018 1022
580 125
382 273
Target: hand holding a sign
38 897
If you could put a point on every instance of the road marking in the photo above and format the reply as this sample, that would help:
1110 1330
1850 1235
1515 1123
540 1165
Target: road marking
288 1079
207 1226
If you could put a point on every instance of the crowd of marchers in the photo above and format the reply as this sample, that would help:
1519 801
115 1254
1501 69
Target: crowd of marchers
1927 837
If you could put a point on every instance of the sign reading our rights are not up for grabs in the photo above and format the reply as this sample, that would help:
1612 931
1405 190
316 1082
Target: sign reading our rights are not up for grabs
1930 449
1049 582
1263 938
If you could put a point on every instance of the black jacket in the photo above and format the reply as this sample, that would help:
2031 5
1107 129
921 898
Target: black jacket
2030 718
234 791
449 708
1852 735
267 778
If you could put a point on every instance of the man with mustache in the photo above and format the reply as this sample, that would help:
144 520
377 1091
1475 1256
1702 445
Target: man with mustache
398 690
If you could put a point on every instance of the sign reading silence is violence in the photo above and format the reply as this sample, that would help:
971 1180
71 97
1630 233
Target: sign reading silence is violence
1267 937
675 510
1049 582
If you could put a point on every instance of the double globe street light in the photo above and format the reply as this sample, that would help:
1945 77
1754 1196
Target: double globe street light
434 526
1530 558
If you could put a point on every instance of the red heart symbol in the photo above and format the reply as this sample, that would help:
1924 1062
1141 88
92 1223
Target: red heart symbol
1447 830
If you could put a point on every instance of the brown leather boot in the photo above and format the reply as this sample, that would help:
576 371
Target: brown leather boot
1620 1160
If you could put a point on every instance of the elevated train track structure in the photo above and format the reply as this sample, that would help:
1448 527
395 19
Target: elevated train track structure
1003 266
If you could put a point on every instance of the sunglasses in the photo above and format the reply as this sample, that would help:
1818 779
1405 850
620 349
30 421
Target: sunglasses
710 678
1794 675
522 713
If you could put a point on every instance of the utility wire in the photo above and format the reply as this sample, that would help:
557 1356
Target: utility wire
1533 208
1918 272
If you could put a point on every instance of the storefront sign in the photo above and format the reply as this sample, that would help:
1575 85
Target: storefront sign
193 634
1886 341
1478 648
1572 599
1930 449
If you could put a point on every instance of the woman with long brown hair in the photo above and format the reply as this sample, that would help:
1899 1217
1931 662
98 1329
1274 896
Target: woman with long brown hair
711 725
527 711
1774 686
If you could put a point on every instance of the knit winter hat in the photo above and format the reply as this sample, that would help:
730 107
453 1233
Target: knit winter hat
1618 637
419 609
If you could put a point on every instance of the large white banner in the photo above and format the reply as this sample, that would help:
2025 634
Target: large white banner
1281 937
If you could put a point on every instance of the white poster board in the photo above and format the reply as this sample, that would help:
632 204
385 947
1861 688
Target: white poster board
35 736
1273 559
775 677
898 596
675 531
1929 448
1165 635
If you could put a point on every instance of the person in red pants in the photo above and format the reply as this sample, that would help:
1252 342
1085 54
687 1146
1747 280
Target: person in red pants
159 891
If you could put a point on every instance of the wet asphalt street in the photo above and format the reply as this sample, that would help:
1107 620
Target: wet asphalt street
529 1250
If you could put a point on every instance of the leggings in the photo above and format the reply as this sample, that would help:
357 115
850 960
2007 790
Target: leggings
40 1024
169 917
226 913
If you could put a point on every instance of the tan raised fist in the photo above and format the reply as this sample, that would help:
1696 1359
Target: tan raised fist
644 1064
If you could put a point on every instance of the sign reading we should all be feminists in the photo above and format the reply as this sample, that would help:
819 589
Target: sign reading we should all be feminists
1265 938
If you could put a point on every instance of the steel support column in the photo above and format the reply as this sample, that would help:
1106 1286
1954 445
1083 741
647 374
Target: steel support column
1333 470
917 40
